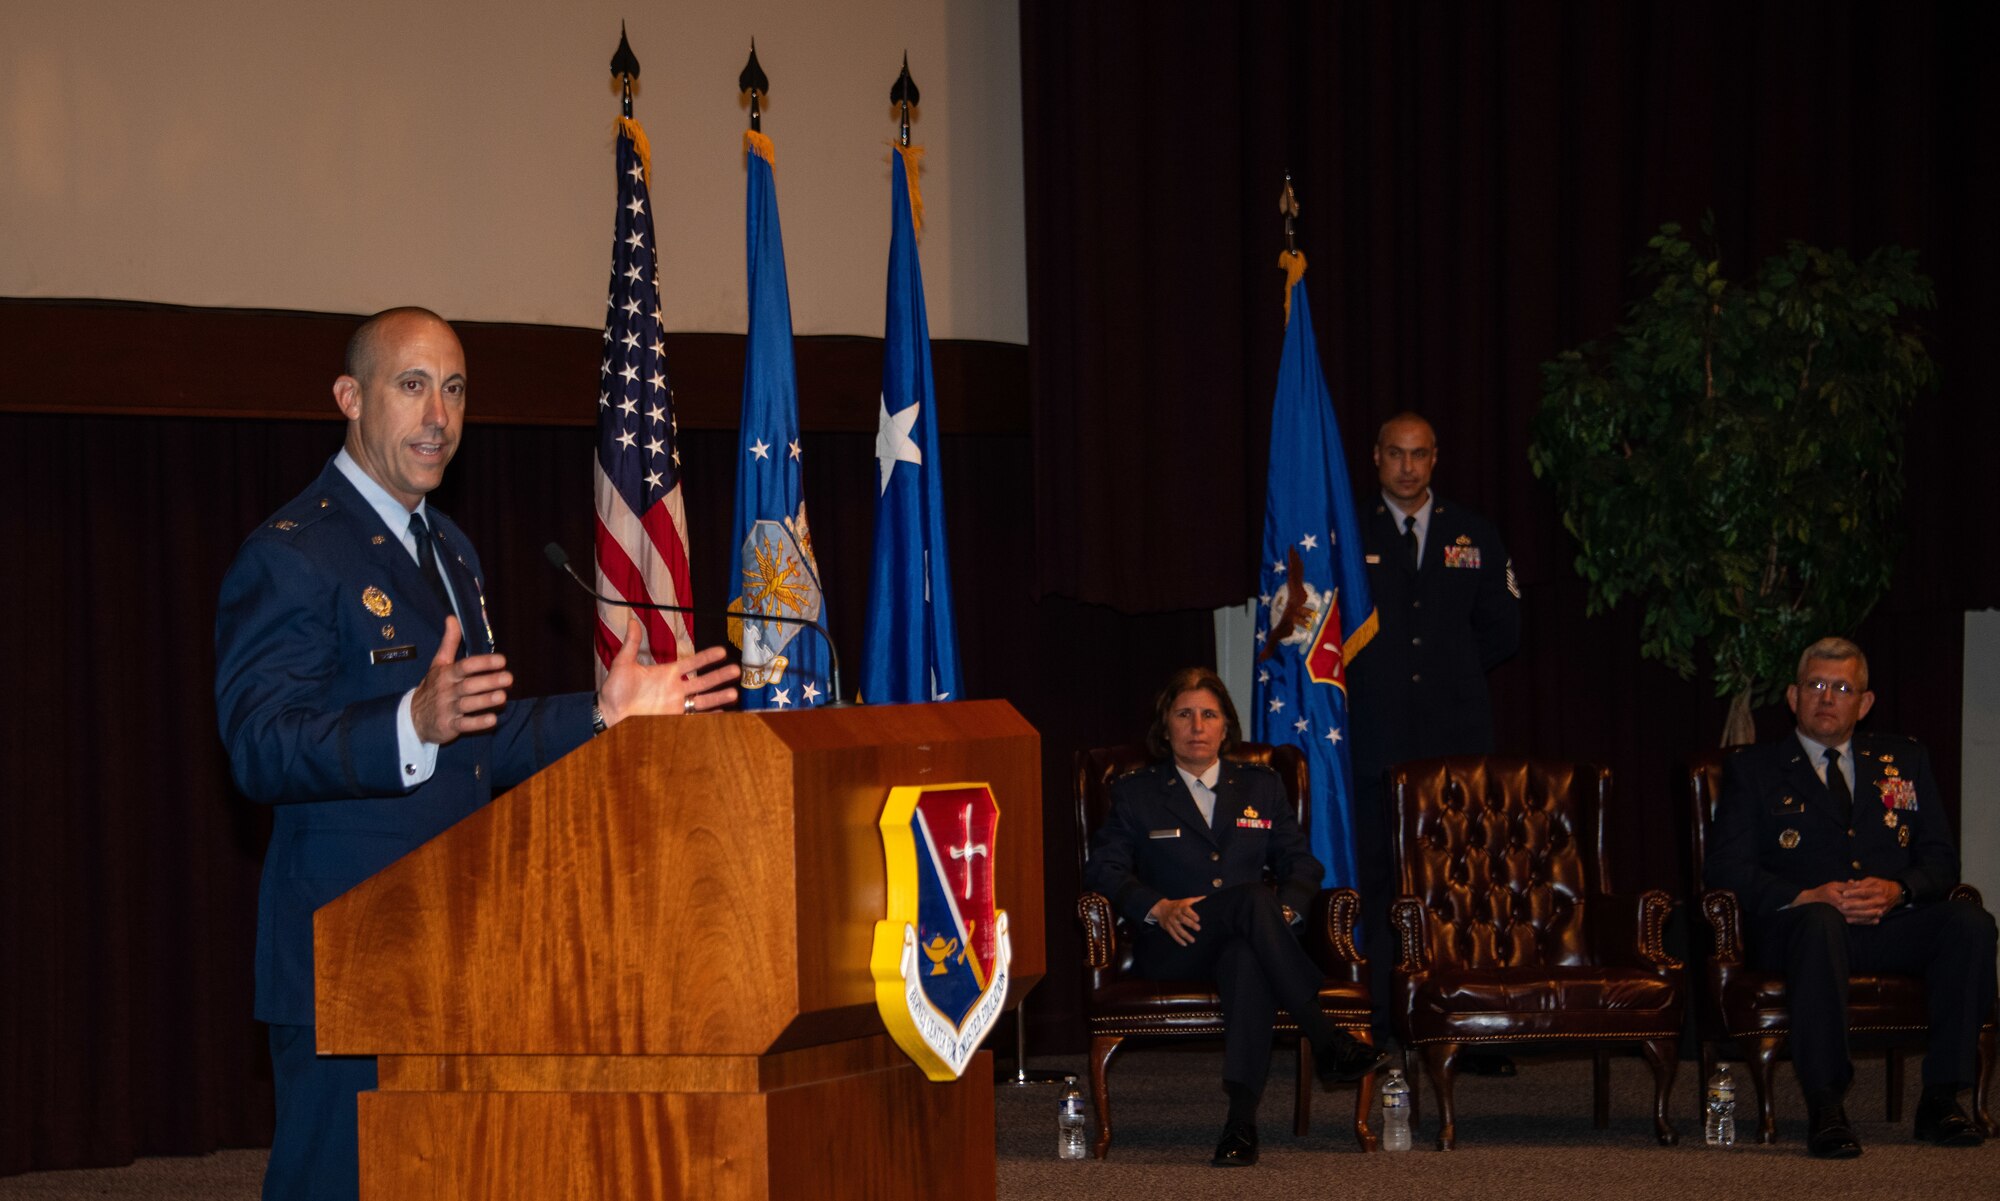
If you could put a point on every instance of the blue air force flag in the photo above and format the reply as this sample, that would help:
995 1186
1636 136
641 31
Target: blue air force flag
912 643
1314 610
772 569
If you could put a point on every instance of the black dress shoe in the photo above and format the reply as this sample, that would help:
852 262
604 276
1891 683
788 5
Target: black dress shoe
1353 1061
1485 1063
1941 1121
1828 1136
1238 1148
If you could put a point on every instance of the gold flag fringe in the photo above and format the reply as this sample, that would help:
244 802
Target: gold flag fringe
912 158
633 130
760 145
1294 263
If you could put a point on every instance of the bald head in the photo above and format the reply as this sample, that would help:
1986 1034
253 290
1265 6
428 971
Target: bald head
364 348
1405 454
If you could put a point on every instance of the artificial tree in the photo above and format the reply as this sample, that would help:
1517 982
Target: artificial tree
1732 459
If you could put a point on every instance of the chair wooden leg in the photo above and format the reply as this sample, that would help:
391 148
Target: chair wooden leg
1364 1098
1102 1048
1982 1082
1763 1062
1302 1100
1706 1058
1600 1087
1412 1077
1664 1055
1441 1062
1892 1101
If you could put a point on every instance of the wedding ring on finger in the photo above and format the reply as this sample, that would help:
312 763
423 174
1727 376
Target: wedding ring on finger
687 705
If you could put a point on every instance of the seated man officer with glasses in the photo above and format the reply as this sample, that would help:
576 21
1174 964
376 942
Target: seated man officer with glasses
1836 844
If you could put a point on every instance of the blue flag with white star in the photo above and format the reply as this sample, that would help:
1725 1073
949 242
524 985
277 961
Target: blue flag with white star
912 648
1315 613
772 569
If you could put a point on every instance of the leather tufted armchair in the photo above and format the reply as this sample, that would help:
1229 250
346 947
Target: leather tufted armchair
1119 1005
1743 1004
1509 931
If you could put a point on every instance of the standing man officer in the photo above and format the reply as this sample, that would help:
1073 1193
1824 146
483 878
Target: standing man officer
358 692
1837 847
1449 612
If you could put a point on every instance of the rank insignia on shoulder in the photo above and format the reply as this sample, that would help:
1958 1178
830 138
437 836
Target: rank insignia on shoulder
1788 839
376 601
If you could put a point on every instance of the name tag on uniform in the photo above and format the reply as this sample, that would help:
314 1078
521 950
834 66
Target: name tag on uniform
1373 559
1173 833
392 654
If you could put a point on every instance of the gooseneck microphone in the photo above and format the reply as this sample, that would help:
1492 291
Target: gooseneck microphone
560 558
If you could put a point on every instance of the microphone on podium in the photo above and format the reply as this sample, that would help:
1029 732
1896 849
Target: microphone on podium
560 558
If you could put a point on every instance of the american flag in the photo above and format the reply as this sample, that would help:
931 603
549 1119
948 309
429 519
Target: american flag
642 544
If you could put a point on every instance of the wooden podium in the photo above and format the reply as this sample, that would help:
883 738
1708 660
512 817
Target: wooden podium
644 973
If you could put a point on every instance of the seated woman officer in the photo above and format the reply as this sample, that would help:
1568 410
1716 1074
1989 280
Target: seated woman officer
1182 857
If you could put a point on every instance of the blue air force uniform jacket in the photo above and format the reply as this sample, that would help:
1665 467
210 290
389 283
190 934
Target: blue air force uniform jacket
324 622
1155 846
1777 833
1419 688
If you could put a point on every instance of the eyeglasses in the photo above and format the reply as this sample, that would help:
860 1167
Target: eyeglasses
1822 687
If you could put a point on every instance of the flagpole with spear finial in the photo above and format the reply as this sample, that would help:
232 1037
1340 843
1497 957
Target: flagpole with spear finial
903 94
753 81
625 65
1290 259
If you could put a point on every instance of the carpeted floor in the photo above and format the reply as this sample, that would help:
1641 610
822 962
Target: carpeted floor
1529 1137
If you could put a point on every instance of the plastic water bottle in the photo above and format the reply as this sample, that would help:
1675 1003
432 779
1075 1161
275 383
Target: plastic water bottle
1395 1112
1719 1125
1070 1123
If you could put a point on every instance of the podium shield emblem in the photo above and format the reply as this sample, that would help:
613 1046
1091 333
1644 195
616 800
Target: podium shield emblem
941 953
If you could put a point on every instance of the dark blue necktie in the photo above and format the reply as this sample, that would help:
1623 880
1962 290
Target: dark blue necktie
427 561
1836 784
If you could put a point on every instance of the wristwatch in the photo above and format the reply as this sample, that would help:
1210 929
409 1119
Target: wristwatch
597 725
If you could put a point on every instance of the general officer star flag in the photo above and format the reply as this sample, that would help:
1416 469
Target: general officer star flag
912 648
642 544
772 569
1314 612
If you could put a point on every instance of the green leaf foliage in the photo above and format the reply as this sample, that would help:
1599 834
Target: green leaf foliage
1732 458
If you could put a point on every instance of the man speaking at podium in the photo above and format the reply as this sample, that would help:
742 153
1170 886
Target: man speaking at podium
358 691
